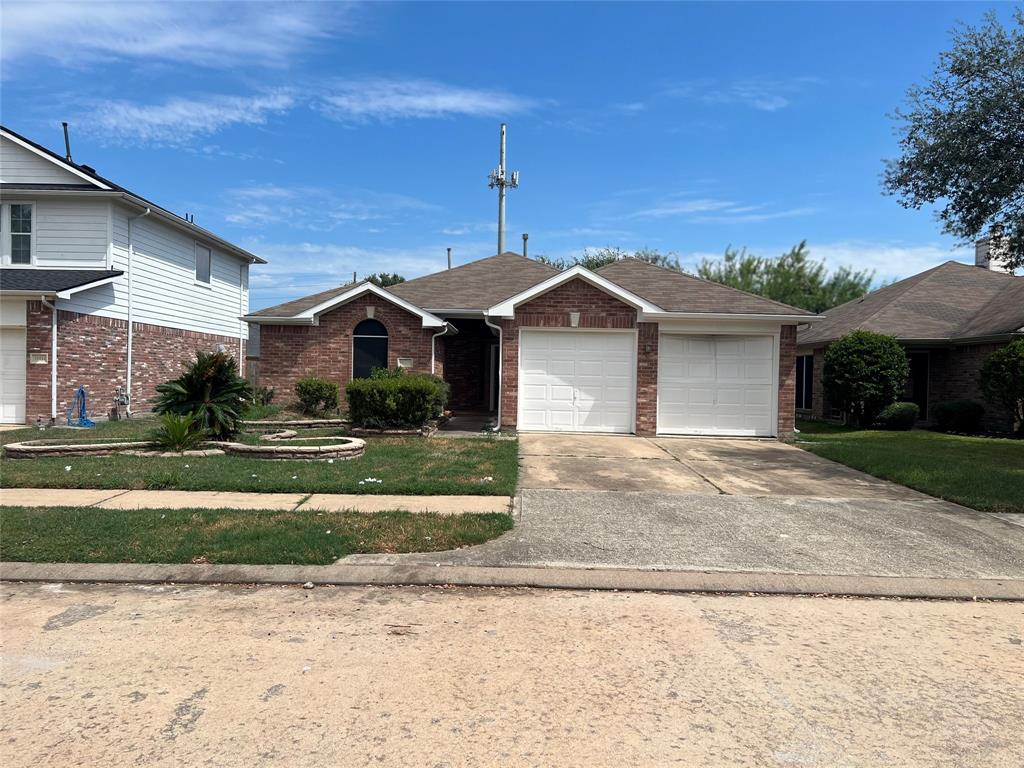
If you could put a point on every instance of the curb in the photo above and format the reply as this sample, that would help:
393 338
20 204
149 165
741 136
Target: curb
545 578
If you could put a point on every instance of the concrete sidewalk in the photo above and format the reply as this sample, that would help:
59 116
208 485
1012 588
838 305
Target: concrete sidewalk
326 502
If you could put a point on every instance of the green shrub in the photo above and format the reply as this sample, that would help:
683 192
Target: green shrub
179 432
863 373
395 399
959 416
263 395
900 416
211 390
317 396
1002 380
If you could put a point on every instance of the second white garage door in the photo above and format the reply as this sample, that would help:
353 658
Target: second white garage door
576 381
12 376
716 385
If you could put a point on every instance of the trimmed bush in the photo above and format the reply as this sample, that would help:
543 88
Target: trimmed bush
959 416
899 416
394 398
1002 380
863 373
211 390
317 395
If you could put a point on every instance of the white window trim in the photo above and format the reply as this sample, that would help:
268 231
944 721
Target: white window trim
5 233
195 264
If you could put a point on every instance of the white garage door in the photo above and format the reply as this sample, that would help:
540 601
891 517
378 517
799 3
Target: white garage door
576 381
12 376
715 385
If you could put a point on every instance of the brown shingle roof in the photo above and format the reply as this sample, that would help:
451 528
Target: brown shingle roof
948 302
477 285
298 306
675 291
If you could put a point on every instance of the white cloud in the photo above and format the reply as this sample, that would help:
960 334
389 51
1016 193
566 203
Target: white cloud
179 120
206 33
763 94
711 210
394 99
889 260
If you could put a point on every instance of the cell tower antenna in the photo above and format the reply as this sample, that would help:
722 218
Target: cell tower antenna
503 182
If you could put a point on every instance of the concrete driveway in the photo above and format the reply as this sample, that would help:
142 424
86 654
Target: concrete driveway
603 501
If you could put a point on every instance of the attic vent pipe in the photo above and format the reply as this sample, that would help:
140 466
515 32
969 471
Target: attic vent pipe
525 238
449 258
67 142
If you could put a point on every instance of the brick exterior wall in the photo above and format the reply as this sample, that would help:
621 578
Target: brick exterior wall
290 352
787 381
551 310
93 351
647 379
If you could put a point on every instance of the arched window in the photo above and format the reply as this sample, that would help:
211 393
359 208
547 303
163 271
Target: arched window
369 348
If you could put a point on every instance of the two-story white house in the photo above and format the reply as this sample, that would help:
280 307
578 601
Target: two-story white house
102 288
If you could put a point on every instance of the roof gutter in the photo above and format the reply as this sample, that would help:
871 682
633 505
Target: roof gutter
448 327
655 316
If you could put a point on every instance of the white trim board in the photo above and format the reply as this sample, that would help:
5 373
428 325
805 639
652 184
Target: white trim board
506 308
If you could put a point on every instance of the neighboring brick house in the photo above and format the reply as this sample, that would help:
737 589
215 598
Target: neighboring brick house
628 348
948 318
102 288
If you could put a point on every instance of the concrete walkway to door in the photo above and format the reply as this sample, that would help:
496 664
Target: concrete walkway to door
604 501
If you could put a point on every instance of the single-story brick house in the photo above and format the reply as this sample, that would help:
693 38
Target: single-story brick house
948 318
628 348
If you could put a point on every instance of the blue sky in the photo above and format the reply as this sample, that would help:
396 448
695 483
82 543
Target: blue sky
332 138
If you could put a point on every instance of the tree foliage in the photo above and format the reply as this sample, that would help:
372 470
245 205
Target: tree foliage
595 258
1002 380
864 372
383 279
209 389
793 278
962 138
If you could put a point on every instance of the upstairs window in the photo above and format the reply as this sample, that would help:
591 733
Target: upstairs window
369 348
202 264
18 223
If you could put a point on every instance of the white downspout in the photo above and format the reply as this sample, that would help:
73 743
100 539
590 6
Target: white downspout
442 332
242 268
53 356
501 356
131 313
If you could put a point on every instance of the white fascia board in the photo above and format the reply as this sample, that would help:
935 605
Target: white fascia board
266 319
59 163
429 320
508 306
69 292
788 319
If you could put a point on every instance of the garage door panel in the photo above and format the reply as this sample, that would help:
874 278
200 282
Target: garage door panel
588 380
715 385
12 376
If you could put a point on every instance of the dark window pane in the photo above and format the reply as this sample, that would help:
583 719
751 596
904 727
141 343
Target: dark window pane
370 328
21 249
21 218
368 353
202 264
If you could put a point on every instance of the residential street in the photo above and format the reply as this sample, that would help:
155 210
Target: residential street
237 676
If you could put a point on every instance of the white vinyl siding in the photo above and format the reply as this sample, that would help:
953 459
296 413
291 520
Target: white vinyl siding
576 381
22 166
72 233
716 385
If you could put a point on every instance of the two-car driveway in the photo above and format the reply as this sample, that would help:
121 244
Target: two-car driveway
604 501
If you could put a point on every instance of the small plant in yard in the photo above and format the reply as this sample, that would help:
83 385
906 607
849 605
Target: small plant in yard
209 389
959 416
1002 380
900 416
864 372
317 395
395 398
262 395
179 432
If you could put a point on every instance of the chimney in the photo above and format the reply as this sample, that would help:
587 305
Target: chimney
525 238
449 258
986 259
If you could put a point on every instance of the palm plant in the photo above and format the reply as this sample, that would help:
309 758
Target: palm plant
209 389
179 433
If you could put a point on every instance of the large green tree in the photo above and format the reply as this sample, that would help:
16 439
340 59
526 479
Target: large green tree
793 278
962 138
595 258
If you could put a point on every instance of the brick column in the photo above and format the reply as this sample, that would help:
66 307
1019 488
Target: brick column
509 385
647 379
37 376
787 381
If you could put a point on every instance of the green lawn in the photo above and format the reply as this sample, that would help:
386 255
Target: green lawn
979 472
89 535
419 466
